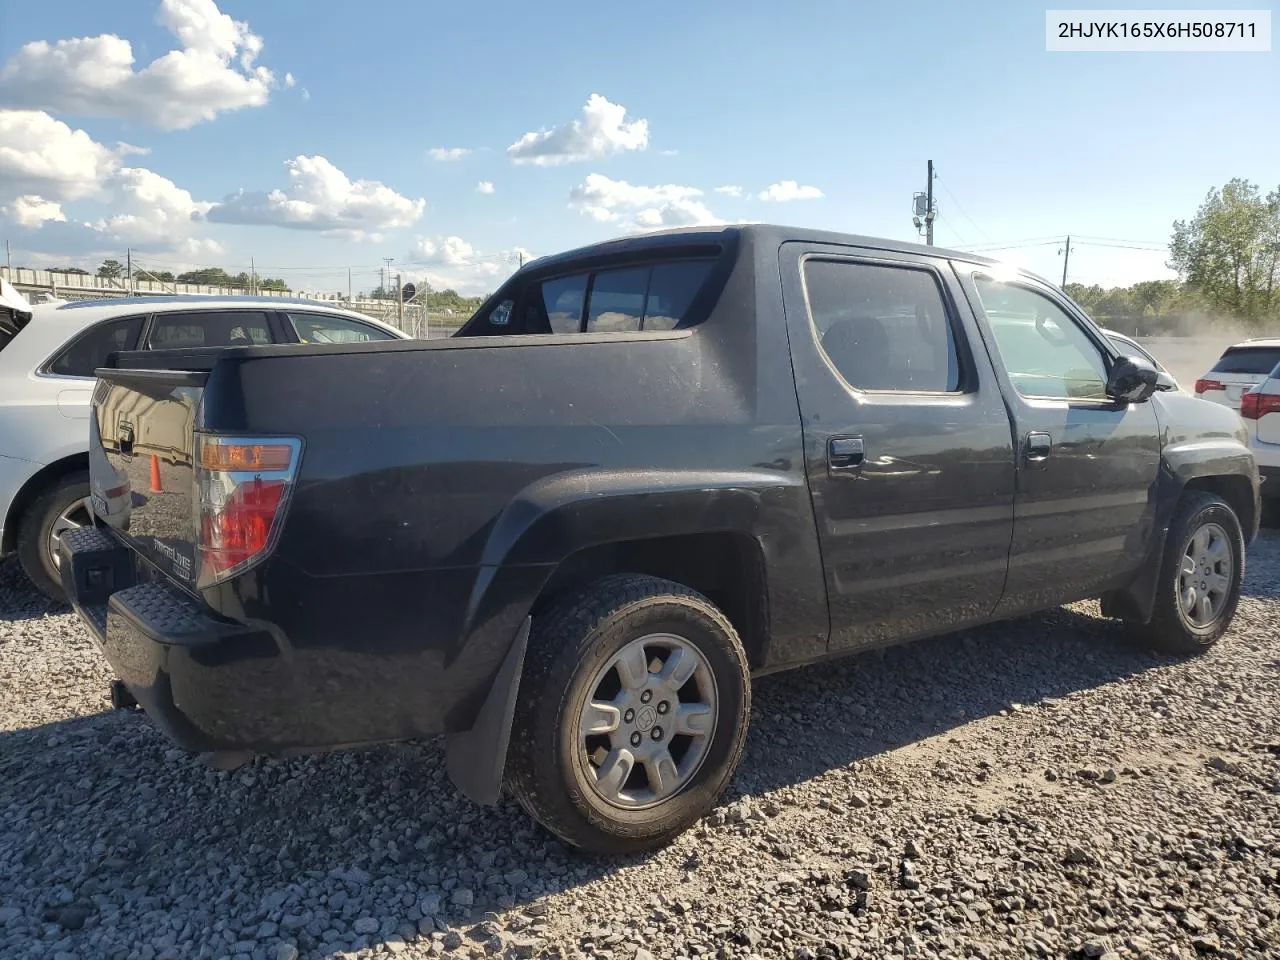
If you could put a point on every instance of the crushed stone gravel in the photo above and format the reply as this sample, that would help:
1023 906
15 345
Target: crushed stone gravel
1038 788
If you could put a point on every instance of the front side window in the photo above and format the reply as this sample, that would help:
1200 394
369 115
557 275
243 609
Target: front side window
211 328
329 328
882 327
1044 350
90 350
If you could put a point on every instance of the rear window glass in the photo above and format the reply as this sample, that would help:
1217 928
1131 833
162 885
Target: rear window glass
1248 360
90 350
648 297
226 328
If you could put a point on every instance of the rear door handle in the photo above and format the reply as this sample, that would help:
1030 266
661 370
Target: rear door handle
1038 447
845 456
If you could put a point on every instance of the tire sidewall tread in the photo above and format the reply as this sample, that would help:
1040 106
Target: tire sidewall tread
1167 630
34 527
569 643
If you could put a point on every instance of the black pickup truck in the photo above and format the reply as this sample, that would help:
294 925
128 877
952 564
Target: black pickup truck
644 472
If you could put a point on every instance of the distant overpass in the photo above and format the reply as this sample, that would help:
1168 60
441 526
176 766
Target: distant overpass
40 285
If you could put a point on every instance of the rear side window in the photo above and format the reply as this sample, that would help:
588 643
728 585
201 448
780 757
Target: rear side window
617 300
212 328
90 350
328 328
1248 360
882 327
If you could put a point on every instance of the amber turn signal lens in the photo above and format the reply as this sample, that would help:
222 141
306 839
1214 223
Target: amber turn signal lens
248 457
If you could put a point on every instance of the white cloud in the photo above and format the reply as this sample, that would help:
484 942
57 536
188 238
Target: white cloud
452 262
602 130
786 190
213 72
44 156
669 205
729 190
484 186
289 80
29 210
321 197
306 94
447 153
152 210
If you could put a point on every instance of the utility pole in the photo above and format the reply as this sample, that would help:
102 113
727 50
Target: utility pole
386 275
521 259
924 211
348 284
399 303
929 211
8 259
128 272
253 277
1066 256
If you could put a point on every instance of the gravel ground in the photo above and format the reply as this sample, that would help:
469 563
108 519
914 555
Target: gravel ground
1037 788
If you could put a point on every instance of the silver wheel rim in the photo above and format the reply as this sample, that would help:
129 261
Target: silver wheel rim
1204 579
648 721
75 516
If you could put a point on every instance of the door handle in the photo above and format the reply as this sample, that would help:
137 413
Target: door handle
845 456
1038 447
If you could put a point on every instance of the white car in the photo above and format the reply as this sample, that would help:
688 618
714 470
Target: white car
47 365
1260 411
1240 368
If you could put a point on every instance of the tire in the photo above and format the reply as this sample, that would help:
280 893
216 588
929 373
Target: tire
36 527
558 773
1171 628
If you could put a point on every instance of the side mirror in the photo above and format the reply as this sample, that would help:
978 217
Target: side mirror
1166 382
1132 380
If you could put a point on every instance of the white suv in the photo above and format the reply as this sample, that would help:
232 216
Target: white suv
1240 368
47 368
1260 411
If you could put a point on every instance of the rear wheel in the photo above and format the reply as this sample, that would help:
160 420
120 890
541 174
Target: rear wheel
631 716
1200 576
63 506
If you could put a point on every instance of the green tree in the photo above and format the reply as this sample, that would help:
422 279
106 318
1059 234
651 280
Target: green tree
78 270
111 270
1229 252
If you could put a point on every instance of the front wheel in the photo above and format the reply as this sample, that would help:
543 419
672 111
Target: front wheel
631 715
1200 576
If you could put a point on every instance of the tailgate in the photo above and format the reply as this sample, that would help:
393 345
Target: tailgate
141 477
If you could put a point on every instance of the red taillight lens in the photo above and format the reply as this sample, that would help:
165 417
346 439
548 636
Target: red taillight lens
242 485
1255 406
1204 386
241 528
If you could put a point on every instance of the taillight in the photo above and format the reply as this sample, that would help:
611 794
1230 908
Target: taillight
1204 386
1255 406
243 485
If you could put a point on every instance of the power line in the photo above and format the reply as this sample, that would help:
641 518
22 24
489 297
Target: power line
942 183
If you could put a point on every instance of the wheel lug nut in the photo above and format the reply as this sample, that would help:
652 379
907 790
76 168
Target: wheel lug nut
646 696
657 733
629 716
635 739
663 706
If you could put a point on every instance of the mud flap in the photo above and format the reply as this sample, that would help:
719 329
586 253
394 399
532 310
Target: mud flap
476 758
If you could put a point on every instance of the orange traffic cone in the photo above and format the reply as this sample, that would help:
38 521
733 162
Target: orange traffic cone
155 475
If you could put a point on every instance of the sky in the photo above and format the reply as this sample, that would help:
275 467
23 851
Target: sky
315 138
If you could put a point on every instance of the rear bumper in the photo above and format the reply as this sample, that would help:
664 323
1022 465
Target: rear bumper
194 674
